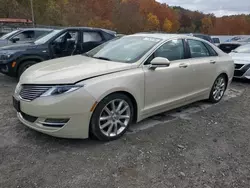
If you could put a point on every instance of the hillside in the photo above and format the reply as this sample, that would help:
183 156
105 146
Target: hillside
125 16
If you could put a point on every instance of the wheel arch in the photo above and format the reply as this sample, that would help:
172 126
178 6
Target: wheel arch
226 77
28 58
128 94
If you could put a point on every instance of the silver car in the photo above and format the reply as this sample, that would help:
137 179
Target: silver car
241 57
120 82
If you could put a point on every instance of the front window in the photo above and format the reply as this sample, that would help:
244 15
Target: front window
125 49
243 49
172 50
47 37
6 36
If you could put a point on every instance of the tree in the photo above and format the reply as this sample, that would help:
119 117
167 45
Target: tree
206 24
167 26
153 22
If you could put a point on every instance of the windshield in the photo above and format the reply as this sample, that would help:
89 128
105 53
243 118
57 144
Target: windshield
45 38
125 49
6 36
243 49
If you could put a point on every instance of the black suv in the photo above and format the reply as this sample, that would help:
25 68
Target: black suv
15 59
22 36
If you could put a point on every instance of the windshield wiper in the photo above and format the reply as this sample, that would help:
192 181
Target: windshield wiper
103 58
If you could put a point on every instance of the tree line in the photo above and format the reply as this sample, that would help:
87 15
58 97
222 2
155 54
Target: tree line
125 16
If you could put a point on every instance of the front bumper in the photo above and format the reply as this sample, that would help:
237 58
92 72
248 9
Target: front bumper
74 106
6 68
242 71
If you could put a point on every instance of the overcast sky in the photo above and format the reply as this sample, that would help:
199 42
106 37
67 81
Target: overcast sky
218 7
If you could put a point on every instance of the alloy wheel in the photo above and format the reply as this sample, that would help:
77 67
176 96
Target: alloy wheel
115 117
219 88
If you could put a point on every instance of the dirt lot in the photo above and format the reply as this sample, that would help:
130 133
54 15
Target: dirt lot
199 146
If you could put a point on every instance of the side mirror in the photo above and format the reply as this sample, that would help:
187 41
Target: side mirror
15 39
159 62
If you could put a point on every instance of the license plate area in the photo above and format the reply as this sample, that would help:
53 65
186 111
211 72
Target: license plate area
16 104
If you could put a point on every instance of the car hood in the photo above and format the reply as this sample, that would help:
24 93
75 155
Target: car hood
70 70
3 42
240 58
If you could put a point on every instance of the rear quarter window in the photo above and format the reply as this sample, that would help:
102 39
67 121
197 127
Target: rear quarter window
212 52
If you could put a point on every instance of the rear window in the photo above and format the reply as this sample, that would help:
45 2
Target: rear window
216 40
211 50
227 48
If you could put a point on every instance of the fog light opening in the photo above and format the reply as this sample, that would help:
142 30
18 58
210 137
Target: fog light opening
52 122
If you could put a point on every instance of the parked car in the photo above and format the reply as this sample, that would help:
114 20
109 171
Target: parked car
120 82
202 36
15 59
216 41
241 57
227 47
23 36
235 38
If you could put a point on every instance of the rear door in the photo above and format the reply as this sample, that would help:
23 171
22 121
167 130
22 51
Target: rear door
90 40
203 59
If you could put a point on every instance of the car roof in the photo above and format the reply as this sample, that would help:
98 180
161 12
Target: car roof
91 28
35 29
165 36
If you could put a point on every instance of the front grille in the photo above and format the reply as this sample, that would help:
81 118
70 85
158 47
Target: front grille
31 92
28 118
238 66
239 73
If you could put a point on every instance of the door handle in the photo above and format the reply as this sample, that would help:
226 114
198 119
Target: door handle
183 65
212 62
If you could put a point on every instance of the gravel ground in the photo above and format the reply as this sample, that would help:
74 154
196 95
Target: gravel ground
208 149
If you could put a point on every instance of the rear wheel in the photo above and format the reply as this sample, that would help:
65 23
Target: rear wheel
25 65
112 117
218 89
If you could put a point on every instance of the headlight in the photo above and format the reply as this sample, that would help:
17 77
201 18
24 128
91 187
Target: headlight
57 90
5 56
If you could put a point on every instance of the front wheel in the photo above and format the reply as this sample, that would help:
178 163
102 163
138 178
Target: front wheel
112 117
218 89
23 67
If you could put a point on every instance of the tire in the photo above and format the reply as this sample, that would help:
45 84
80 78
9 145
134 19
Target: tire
218 89
25 65
113 124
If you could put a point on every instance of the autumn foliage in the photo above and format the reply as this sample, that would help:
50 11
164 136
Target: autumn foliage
124 16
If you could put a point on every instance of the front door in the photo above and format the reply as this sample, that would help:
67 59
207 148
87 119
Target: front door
66 44
168 86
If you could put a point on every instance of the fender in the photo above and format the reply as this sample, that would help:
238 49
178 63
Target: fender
28 58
